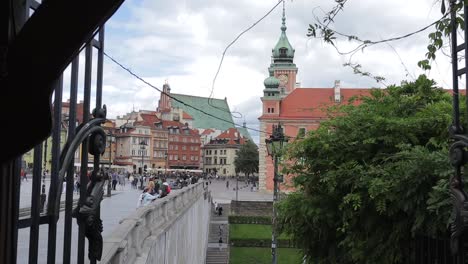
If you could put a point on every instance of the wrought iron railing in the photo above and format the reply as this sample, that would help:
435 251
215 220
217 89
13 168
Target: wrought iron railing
89 135
458 154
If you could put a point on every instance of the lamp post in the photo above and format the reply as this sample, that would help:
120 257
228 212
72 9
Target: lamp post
237 185
165 164
142 148
274 146
109 185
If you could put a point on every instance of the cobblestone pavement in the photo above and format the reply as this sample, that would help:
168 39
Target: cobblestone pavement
222 194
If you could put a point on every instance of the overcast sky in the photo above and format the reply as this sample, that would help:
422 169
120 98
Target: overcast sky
182 42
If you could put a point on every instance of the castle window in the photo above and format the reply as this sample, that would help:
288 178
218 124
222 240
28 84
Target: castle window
301 132
272 110
283 52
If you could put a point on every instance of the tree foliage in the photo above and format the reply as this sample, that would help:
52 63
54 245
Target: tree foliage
247 159
372 177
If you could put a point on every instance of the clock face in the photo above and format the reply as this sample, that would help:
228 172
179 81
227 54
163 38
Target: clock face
283 78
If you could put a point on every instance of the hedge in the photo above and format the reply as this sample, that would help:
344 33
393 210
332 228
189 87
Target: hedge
242 219
282 243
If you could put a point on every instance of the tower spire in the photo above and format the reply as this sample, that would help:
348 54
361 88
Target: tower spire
283 26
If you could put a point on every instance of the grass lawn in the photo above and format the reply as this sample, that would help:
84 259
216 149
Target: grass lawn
253 255
248 231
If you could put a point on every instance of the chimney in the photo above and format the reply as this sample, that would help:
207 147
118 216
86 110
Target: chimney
337 89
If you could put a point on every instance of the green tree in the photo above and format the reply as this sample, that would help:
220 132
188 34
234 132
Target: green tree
247 159
372 177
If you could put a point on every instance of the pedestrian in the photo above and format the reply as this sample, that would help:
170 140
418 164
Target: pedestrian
122 181
227 184
220 211
114 180
220 241
131 180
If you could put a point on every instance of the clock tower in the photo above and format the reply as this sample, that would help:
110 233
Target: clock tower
282 64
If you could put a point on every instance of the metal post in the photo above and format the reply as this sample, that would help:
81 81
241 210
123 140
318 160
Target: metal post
237 186
275 198
71 170
165 166
109 184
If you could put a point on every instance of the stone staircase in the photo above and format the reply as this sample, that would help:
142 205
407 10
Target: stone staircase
219 227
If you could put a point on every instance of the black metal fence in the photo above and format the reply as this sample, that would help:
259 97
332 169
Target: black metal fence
46 204
427 250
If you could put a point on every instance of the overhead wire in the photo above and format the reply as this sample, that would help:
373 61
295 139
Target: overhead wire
178 100
210 99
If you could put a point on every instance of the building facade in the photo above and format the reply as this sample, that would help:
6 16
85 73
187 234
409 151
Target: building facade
219 153
183 146
297 109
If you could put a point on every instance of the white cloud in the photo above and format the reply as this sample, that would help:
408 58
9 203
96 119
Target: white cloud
182 42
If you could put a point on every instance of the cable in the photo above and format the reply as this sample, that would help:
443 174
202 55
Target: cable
229 45
367 43
175 99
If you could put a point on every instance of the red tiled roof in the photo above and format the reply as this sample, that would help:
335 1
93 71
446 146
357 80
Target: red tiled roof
186 116
79 110
168 123
313 102
450 91
148 120
207 131
231 135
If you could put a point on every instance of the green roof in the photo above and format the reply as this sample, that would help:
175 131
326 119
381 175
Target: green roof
244 131
283 44
201 120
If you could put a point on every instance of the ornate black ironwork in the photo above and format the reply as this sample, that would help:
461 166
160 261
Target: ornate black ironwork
458 155
87 214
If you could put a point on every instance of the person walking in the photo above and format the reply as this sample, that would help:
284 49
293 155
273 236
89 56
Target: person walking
227 184
114 180
131 179
121 181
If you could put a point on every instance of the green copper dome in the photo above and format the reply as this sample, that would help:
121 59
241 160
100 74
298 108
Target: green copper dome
271 82
283 51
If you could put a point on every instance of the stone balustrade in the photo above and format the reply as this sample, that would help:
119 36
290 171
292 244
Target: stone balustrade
170 230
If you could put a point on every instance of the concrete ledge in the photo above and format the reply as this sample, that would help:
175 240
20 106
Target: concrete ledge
173 229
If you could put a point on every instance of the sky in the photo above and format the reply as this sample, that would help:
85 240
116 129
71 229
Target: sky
182 42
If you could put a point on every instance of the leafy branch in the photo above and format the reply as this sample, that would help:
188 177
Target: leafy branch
321 29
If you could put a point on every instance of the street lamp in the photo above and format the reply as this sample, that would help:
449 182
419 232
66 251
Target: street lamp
165 164
109 178
142 148
275 145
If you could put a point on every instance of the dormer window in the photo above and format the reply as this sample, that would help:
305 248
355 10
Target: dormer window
283 52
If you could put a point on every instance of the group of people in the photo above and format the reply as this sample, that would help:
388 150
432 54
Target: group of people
156 188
